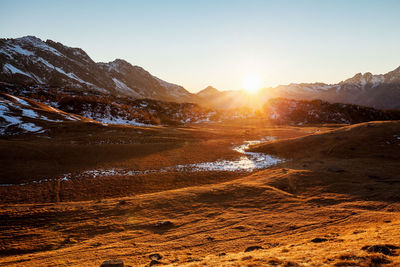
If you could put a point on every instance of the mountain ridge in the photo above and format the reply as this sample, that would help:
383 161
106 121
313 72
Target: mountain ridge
31 60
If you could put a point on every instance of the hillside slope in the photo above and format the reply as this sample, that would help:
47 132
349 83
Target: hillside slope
322 208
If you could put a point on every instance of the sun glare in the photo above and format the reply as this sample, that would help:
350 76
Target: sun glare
252 84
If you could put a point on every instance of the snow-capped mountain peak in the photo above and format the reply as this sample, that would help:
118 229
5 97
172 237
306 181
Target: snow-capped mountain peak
30 60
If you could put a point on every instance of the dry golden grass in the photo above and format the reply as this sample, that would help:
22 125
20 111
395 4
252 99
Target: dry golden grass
347 201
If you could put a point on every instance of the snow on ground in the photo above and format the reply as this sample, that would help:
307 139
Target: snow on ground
37 43
119 120
16 49
11 120
8 68
70 74
377 80
19 100
123 87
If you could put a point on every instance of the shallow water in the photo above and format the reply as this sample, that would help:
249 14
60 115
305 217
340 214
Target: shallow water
248 162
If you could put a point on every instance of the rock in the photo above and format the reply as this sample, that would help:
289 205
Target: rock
70 240
221 254
154 262
97 244
209 238
319 240
384 249
122 202
335 169
155 256
377 260
162 224
251 248
113 263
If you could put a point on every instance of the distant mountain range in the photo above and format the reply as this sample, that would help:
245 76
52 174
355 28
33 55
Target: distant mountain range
378 91
31 61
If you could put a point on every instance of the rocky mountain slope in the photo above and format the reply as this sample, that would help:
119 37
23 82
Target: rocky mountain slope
29 60
289 111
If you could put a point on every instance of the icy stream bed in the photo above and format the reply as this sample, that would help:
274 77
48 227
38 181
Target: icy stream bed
248 162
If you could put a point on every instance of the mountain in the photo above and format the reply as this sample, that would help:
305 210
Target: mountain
209 91
378 91
289 111
29 60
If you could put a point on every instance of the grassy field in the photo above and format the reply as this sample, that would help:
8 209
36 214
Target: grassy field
334 201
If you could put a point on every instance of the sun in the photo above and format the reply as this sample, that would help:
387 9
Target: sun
252 83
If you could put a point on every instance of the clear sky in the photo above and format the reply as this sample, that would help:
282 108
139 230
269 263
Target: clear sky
221 42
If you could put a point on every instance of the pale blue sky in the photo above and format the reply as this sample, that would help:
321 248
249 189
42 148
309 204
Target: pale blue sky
218 42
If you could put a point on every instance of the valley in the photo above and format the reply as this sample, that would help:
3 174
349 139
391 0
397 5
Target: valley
106 162
338 186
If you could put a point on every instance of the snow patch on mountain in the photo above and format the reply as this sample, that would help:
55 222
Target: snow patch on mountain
38 43
123 87
8 68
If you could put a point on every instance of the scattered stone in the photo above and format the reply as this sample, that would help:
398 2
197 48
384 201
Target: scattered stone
209 238
155 256
377 260
122 202
163 224
113 263
384 249
251 248
70 240
192 260
319 240
222 254
154 262
335 169
97 244
274 262
350 257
